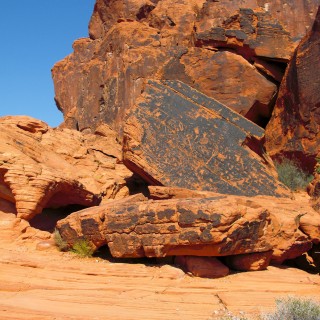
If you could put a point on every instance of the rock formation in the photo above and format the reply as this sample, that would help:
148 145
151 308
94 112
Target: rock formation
178 137
218 225
42 167
206 44
294 129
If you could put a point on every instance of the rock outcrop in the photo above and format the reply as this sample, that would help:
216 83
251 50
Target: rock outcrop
219 225
42 167
203 43
294 129
178 137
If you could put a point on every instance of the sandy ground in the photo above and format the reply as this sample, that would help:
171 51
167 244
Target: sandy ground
52 285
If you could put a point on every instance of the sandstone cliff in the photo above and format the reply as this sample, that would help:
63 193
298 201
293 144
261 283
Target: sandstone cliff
206 44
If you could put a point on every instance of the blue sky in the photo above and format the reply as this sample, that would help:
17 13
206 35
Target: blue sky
34 35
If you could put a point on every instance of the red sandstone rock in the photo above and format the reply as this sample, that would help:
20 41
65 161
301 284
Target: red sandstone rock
42 167
219 225
294 129
249 262
203 267
140 39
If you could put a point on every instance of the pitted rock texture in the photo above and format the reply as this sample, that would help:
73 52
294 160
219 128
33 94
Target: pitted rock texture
42 167
217 226
178 137
248 32
294 129
205 44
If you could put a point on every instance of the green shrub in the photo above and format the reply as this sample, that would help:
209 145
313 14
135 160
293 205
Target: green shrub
83 248
294 309
291 175
60 243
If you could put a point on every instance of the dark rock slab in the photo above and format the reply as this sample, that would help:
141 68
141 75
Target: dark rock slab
178 137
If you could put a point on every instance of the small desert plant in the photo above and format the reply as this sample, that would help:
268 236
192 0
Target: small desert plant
291 175
291 308
60 243
83 248
294 309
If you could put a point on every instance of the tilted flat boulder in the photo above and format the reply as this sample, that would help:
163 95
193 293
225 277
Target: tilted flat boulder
220 225
178 137
41 167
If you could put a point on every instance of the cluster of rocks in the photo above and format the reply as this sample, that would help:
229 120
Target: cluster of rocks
185 96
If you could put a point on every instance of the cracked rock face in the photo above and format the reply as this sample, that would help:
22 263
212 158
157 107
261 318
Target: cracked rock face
42 167
217 225
205 44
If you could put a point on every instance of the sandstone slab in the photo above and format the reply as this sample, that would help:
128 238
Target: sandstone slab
71 288
178 137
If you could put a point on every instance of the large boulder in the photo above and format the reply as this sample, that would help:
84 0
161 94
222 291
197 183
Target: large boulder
197 42
294 129
178 137
219 225
41 167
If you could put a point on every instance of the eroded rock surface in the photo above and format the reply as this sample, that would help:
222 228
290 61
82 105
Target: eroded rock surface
294 129
217 226
205 44
178 137
42 167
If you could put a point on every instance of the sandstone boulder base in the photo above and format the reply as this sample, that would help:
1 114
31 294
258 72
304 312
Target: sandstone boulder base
203 43
250 262
294 129
42 167
178 137
204 267
215 226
